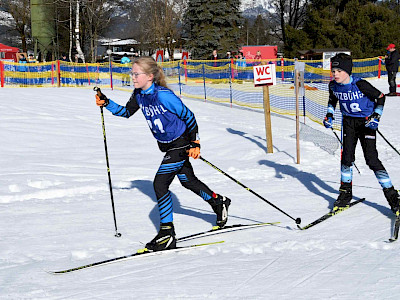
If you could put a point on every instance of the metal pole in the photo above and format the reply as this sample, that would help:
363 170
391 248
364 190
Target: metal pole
117 234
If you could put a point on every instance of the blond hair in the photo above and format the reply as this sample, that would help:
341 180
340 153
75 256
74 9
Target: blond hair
150 66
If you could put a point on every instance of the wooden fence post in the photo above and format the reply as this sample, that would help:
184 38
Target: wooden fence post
297 89
267 114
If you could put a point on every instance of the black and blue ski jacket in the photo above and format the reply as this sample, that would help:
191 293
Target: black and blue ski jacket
166 115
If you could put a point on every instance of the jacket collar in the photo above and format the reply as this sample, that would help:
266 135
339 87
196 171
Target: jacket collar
150 90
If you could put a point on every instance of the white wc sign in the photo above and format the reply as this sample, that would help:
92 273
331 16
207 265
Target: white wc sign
264 75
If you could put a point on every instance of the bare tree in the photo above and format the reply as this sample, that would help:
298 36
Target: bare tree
20 11
290 13
85 21
79 23
71 34
65 20
160 23
77 30
97 16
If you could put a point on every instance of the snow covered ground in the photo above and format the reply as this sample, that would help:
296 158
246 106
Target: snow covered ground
55 208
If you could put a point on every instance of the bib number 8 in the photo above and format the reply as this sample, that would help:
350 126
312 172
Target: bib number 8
353 107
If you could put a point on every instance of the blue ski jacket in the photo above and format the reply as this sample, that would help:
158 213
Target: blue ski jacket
168 118
357 99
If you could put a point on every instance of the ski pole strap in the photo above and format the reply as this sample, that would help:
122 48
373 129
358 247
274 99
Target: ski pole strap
194 145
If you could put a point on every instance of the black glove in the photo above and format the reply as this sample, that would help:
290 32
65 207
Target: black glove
373 121
328 120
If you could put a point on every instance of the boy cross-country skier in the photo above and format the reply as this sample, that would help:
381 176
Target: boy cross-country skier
361 106
175 128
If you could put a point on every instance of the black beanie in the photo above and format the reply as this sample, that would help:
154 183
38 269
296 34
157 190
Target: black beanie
342 61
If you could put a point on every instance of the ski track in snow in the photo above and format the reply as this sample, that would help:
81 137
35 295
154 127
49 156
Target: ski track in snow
56 209
53 194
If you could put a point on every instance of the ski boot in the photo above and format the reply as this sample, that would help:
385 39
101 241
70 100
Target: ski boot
345 196
392 196
220 207
165 239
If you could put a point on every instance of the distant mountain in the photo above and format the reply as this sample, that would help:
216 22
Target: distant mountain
252 12
8 35
5 18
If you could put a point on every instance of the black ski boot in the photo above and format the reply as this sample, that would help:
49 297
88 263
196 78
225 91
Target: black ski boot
392 196
165 239
345 196
220 207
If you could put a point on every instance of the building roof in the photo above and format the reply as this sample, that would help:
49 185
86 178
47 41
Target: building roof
5 48
118 42
322 50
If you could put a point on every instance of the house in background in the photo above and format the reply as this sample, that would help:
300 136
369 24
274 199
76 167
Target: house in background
118 48
8 53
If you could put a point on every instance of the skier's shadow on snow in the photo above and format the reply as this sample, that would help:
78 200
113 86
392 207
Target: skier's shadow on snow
258 143
309 180
146 187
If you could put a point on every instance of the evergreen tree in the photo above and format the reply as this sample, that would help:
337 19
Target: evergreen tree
245 38
259 31
296 40
364 27
211 24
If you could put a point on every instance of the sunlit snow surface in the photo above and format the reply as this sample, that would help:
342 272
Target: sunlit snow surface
55 207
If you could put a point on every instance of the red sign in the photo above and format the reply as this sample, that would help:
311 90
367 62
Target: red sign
264 75
267 52
160 56
185 55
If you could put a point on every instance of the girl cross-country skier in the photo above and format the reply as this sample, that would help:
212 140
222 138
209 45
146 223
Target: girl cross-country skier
175 128
361 105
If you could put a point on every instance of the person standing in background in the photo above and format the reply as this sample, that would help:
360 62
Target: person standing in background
64 58
125 59
215 57
241 60
392 66
31 58
22 59
257 58
125 77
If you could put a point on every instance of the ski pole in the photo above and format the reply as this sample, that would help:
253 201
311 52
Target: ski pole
117 234
388 142
342 146
297 220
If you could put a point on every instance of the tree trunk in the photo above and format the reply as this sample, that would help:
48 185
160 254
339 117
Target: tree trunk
71 35
77 42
